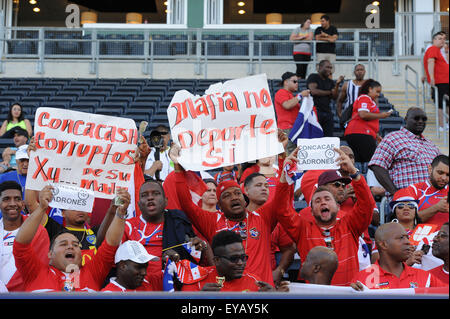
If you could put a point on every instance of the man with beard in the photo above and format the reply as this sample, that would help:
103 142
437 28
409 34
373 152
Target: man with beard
440 250
391 271
325 229
255 227
433 193
403 156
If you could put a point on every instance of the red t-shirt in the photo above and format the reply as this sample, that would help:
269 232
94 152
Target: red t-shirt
258 227
375 277
428 196
440 274
152 285
244 284
40 277
40 244
440 65
149 235
285 118
344 233
359 126
279 238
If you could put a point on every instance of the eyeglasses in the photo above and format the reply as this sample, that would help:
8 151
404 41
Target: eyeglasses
235 259
418 118
339 184
410 205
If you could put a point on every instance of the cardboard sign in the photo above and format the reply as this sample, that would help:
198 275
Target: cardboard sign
73 198
234 122
317 153
89 151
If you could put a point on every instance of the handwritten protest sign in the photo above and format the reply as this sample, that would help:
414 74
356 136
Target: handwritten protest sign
234 122
317 153
70 197
90 151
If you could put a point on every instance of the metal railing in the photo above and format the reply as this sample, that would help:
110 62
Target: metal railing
415 85
445 102
199 46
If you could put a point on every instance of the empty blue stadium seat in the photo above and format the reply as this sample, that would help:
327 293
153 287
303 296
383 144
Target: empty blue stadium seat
136 45
160 45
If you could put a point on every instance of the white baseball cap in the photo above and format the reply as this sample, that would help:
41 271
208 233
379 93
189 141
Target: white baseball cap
134 251
21 152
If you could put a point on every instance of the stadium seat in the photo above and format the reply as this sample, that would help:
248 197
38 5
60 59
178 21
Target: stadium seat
160 45
213 46
136 44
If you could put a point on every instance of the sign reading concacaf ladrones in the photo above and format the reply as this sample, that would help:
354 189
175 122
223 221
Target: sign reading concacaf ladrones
317 153
232 123
90 151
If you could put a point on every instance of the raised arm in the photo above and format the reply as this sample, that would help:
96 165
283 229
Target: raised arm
203 220
115 230
30 226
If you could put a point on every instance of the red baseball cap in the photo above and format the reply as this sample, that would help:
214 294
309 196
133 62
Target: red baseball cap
224 186
332 176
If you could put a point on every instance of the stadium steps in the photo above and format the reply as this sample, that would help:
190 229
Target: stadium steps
397 98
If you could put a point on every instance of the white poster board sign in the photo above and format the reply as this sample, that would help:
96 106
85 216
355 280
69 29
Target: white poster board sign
89 151
73 198
317 153
234 122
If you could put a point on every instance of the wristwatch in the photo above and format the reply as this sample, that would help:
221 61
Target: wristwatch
124 217
357 173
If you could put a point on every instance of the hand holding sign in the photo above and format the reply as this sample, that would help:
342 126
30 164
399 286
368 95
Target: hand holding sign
45 197
174 153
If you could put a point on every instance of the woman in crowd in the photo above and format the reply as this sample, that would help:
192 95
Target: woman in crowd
361 132
15 118
302 48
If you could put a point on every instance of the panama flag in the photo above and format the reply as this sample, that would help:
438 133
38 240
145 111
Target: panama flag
168 275
196 254
306 125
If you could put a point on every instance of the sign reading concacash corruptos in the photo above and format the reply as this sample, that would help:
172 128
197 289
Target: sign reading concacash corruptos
89 151
232 123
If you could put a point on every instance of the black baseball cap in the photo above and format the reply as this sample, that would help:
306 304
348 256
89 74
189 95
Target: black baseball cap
285 76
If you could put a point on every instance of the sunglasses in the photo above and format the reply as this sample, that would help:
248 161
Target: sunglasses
235 259
418 118
294 81
339 184
401 206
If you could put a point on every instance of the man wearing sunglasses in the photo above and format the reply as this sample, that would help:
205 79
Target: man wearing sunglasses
325 229
229 270
255 227
287 105
403 156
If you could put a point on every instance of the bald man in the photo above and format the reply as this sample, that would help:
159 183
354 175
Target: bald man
391 271
320 265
